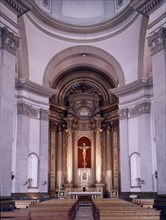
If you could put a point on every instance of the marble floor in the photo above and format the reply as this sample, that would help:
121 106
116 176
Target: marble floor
84 213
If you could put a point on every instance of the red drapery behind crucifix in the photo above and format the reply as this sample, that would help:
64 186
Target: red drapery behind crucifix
84 141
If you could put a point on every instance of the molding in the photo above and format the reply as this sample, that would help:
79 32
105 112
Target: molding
28 110
9 41
123 113
30 86
157 21
132 87
137 110
147 7
32 112
8 20
72 33
18 7
44 114
157 41
140 109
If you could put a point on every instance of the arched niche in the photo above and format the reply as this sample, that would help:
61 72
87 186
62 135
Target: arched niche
135 175
84 150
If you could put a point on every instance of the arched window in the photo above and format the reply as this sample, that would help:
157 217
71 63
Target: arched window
135 170
33 162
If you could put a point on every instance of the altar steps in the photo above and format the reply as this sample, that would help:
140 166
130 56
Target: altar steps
84 213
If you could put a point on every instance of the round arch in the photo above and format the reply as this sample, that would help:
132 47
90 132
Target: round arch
84 56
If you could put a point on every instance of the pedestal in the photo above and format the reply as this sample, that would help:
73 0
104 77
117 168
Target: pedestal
99 188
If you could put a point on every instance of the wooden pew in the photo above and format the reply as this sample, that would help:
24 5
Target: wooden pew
115 209
145 203
17 215
48 210
54 209
19 204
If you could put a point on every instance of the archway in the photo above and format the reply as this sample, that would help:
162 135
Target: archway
83 106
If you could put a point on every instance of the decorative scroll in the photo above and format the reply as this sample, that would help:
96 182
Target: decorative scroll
44 114
46 4
28 110
157 41
123 113
140 109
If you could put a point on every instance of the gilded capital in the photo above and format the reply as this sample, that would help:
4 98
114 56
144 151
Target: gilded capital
9 41
157 41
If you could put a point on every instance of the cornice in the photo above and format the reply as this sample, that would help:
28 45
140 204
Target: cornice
34 88
157 41
9 41
146 7
132 87
18 6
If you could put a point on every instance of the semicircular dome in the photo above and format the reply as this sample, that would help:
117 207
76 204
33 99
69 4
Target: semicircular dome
82 12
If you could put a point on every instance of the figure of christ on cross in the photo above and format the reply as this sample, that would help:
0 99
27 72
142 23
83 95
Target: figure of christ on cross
84 148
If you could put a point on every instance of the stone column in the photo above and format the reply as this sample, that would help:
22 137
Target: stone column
157 43
59 157
124 150
43 153
8 48
53 130
115 134
69 157
98 149
70 152
108 159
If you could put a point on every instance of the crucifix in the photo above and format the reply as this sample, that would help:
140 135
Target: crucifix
84 148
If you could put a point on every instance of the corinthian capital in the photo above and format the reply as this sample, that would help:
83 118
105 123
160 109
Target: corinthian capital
157 41
9 41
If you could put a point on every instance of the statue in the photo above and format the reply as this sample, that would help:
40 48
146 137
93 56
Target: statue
84 148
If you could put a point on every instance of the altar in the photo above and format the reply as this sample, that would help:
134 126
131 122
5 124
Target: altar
92 195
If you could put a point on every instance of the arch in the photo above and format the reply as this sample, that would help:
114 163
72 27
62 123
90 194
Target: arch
84 56
143 50
33 170
135 170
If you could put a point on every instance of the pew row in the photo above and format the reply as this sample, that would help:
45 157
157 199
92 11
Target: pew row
115 209
48 210
145 203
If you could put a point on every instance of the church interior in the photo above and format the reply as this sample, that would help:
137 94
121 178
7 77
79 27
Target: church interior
83 104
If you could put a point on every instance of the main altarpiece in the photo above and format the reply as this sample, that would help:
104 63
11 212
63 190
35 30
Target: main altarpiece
84 148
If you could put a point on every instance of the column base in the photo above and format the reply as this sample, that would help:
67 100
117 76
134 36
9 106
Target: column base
68 188
99 188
